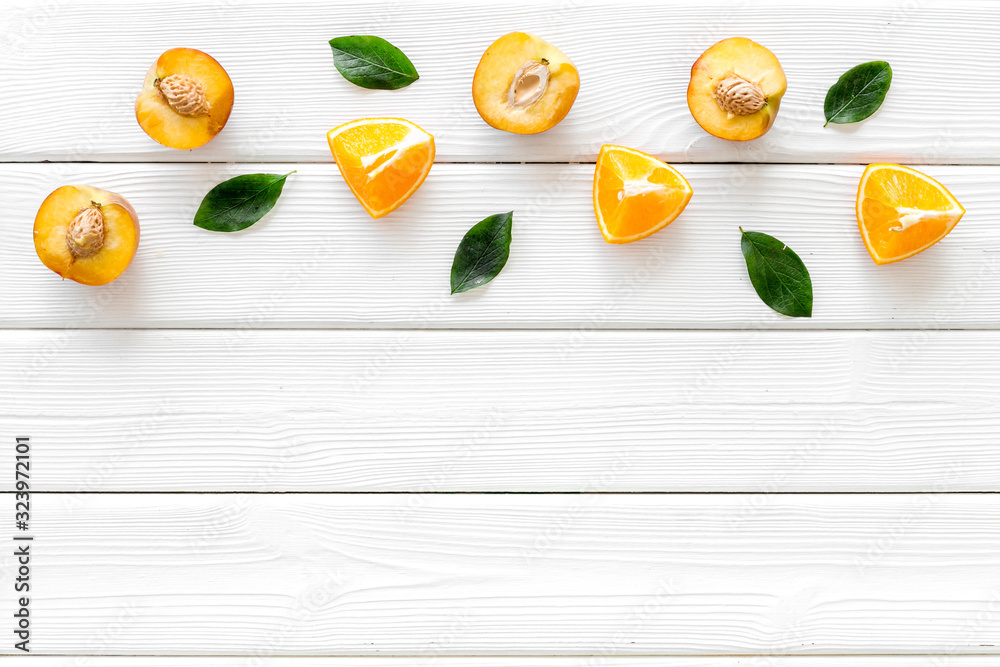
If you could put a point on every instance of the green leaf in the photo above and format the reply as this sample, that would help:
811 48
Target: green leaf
779 276
239 202
482 253
372 62
858 93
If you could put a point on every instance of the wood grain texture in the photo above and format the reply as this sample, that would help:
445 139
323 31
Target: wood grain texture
126 393
946 660
759 412
72 94
318 260
508 575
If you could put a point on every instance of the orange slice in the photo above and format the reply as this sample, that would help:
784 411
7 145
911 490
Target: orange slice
383 160
635 194
902 212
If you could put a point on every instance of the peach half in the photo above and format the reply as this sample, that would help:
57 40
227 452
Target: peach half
736 87
524 84
86 234
185 100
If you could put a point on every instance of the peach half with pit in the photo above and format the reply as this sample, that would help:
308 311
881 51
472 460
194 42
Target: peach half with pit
524 85
735 90
86 234
185 100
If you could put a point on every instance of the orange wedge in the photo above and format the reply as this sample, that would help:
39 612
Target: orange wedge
635 194
383 160
902 212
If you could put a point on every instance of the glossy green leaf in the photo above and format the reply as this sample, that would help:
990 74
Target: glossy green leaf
482 253
372 62
239 202
858 93
779 276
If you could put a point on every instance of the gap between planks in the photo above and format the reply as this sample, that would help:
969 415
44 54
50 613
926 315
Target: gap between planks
518 660
511 493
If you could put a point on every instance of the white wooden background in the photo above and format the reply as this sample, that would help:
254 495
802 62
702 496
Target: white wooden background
291 446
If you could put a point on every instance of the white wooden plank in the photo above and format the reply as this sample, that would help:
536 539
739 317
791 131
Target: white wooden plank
949 660
513 574
504 411
72 71
318 260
